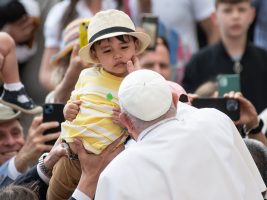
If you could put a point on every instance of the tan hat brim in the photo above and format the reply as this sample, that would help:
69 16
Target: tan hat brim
144 39
10 116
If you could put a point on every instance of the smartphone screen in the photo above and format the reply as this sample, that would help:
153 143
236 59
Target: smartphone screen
150 25
227 83
53 112
231 107
83 32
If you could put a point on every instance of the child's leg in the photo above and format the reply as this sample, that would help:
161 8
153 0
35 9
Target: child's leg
65 178
9 67
14 94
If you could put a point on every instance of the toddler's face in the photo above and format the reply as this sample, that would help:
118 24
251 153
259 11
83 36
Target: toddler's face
113 54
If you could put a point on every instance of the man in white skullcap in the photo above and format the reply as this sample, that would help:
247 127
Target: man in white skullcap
200 156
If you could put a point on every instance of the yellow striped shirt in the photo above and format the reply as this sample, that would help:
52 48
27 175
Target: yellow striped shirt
98 91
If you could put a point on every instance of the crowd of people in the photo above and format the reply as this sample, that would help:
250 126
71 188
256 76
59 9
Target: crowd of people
131 131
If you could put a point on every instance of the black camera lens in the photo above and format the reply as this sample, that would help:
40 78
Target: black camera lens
183 98
48 109
232 105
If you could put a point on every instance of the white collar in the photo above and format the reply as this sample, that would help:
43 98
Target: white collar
149 129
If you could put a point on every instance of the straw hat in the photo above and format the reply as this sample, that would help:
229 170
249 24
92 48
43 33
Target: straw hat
110 23
7 113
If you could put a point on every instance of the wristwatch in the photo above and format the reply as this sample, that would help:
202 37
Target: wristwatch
256 129
44 169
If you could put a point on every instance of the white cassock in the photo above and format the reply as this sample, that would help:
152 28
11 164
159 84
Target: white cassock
197 156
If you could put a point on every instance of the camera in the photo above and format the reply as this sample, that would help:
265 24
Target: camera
53 112
231 107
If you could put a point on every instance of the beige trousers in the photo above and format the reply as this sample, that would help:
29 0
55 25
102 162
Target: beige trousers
65 178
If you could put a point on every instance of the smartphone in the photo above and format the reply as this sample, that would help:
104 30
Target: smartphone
231 107
149 23
53 112
227 83
83 32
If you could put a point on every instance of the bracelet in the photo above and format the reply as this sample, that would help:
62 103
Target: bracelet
43 168
256 129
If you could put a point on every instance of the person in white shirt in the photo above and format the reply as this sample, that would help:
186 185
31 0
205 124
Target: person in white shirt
199 155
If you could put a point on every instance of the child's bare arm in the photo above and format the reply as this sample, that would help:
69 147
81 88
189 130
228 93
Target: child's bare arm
71 110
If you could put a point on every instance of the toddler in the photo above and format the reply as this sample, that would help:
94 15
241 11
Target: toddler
113 43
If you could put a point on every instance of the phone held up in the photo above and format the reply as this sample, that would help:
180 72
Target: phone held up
149 23
53 112
231 107
227 83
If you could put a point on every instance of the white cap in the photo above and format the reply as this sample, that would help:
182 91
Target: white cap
145 94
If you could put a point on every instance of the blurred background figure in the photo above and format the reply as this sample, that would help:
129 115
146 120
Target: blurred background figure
260 26
16 192
232 55
259 155
178 24
13 92
67 64
21 18
59 16
19 151
158 59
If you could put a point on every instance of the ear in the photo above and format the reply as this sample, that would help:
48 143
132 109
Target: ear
175 99
93 54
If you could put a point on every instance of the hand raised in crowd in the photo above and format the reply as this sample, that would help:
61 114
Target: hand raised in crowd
76 63
92 165
71 110
248 113
63 90
35 143
21 30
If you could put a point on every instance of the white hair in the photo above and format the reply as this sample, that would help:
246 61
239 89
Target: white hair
141 125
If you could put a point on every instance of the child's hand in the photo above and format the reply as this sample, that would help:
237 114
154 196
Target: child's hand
115 117
71 110
133 64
